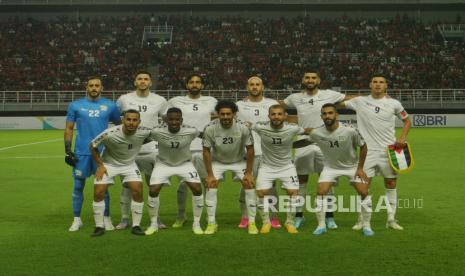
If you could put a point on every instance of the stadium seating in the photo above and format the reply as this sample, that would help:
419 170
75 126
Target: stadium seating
58 54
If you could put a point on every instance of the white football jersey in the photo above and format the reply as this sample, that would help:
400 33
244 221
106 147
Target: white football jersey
376 119
173 148
276 144
254 112
151 109
339 147
227 145
195 112
309 106
120 149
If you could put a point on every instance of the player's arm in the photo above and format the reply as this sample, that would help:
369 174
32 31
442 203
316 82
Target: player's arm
361 162
101 170
301 143
210 180
70 157
403 135
248 177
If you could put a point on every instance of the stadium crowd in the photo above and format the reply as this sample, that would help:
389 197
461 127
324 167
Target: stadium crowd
58 53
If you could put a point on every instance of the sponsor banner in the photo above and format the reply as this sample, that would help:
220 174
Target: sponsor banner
58 122
421 120
39 122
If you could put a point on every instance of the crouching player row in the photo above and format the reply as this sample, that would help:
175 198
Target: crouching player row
122 144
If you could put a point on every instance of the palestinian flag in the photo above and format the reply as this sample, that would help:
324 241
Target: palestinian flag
401 159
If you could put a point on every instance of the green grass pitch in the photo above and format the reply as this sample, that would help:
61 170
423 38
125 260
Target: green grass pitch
35 213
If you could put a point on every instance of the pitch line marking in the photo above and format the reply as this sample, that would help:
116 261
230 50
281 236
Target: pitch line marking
30 144
31 157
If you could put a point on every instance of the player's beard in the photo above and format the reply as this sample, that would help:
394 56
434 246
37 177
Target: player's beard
255 93
226 123
276 123
93 94
194 92
309 86
329 122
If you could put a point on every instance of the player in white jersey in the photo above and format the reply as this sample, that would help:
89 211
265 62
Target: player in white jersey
339 144
122 143
197 112
254 109
308 104
151 107
228 146
276 145
376 115
174 158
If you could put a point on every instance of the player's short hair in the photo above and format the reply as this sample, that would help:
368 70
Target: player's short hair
378 75
329 105
276 106
142 72
226 104
94 77
311 70
174 110
195 75
255 77
129 111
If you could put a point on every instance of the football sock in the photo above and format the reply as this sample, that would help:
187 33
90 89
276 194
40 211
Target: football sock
391 195
197 207
251 201
137 208
182 198
210 201
125 202
78 196
99 208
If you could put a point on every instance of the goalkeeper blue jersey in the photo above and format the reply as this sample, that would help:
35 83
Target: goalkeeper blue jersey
90 118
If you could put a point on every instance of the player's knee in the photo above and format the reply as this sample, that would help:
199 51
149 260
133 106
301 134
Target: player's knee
303 178
197 190
261 193
99 196
390 183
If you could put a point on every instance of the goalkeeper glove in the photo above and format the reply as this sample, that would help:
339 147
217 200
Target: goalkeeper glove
71 159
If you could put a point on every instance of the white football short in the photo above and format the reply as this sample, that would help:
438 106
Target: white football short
308 160
331 175
162 173
237 168
146 161
377 163
129 173
267 175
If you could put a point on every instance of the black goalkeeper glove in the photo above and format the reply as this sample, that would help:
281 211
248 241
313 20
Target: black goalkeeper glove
71 159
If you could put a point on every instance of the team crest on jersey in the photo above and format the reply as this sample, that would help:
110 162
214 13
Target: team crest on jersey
78 172
341 138
103 107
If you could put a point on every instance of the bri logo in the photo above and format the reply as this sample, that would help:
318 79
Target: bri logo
429 120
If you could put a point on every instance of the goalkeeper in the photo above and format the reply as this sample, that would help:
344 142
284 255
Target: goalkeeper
91 116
